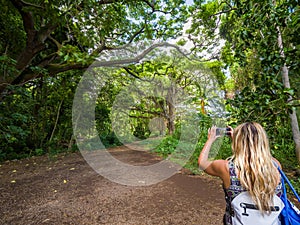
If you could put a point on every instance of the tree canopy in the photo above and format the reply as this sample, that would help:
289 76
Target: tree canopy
50 37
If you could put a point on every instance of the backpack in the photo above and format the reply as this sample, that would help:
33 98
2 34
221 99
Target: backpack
245 212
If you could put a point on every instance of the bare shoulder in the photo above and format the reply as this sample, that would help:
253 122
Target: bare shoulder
217 168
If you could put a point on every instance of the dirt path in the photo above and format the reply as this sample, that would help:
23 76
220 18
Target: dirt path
66 190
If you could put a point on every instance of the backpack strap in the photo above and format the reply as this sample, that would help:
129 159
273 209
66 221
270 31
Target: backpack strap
235 187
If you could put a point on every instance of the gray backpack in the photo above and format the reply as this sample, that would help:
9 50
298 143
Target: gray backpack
245 212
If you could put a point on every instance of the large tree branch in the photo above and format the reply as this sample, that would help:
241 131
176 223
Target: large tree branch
35 40
139 57
27 18
54 69
116 63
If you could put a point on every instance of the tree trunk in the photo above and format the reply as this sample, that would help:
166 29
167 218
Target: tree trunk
56 121
171 98
293 115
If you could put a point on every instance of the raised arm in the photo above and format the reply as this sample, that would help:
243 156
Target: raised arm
203 161
215 167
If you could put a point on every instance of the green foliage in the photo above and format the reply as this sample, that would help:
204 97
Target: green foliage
141 130
167 145
28 116
12 34
7 65
254 61
254 58
110 139
225 150
14 120
296 184
256 68
39 151
268 106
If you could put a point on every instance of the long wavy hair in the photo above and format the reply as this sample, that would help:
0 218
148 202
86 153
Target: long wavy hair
253 161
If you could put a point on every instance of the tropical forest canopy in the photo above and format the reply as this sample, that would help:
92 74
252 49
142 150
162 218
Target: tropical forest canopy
233 60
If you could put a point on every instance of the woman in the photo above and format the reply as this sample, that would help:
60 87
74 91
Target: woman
251 168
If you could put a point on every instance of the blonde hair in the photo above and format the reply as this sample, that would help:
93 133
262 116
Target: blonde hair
253 161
